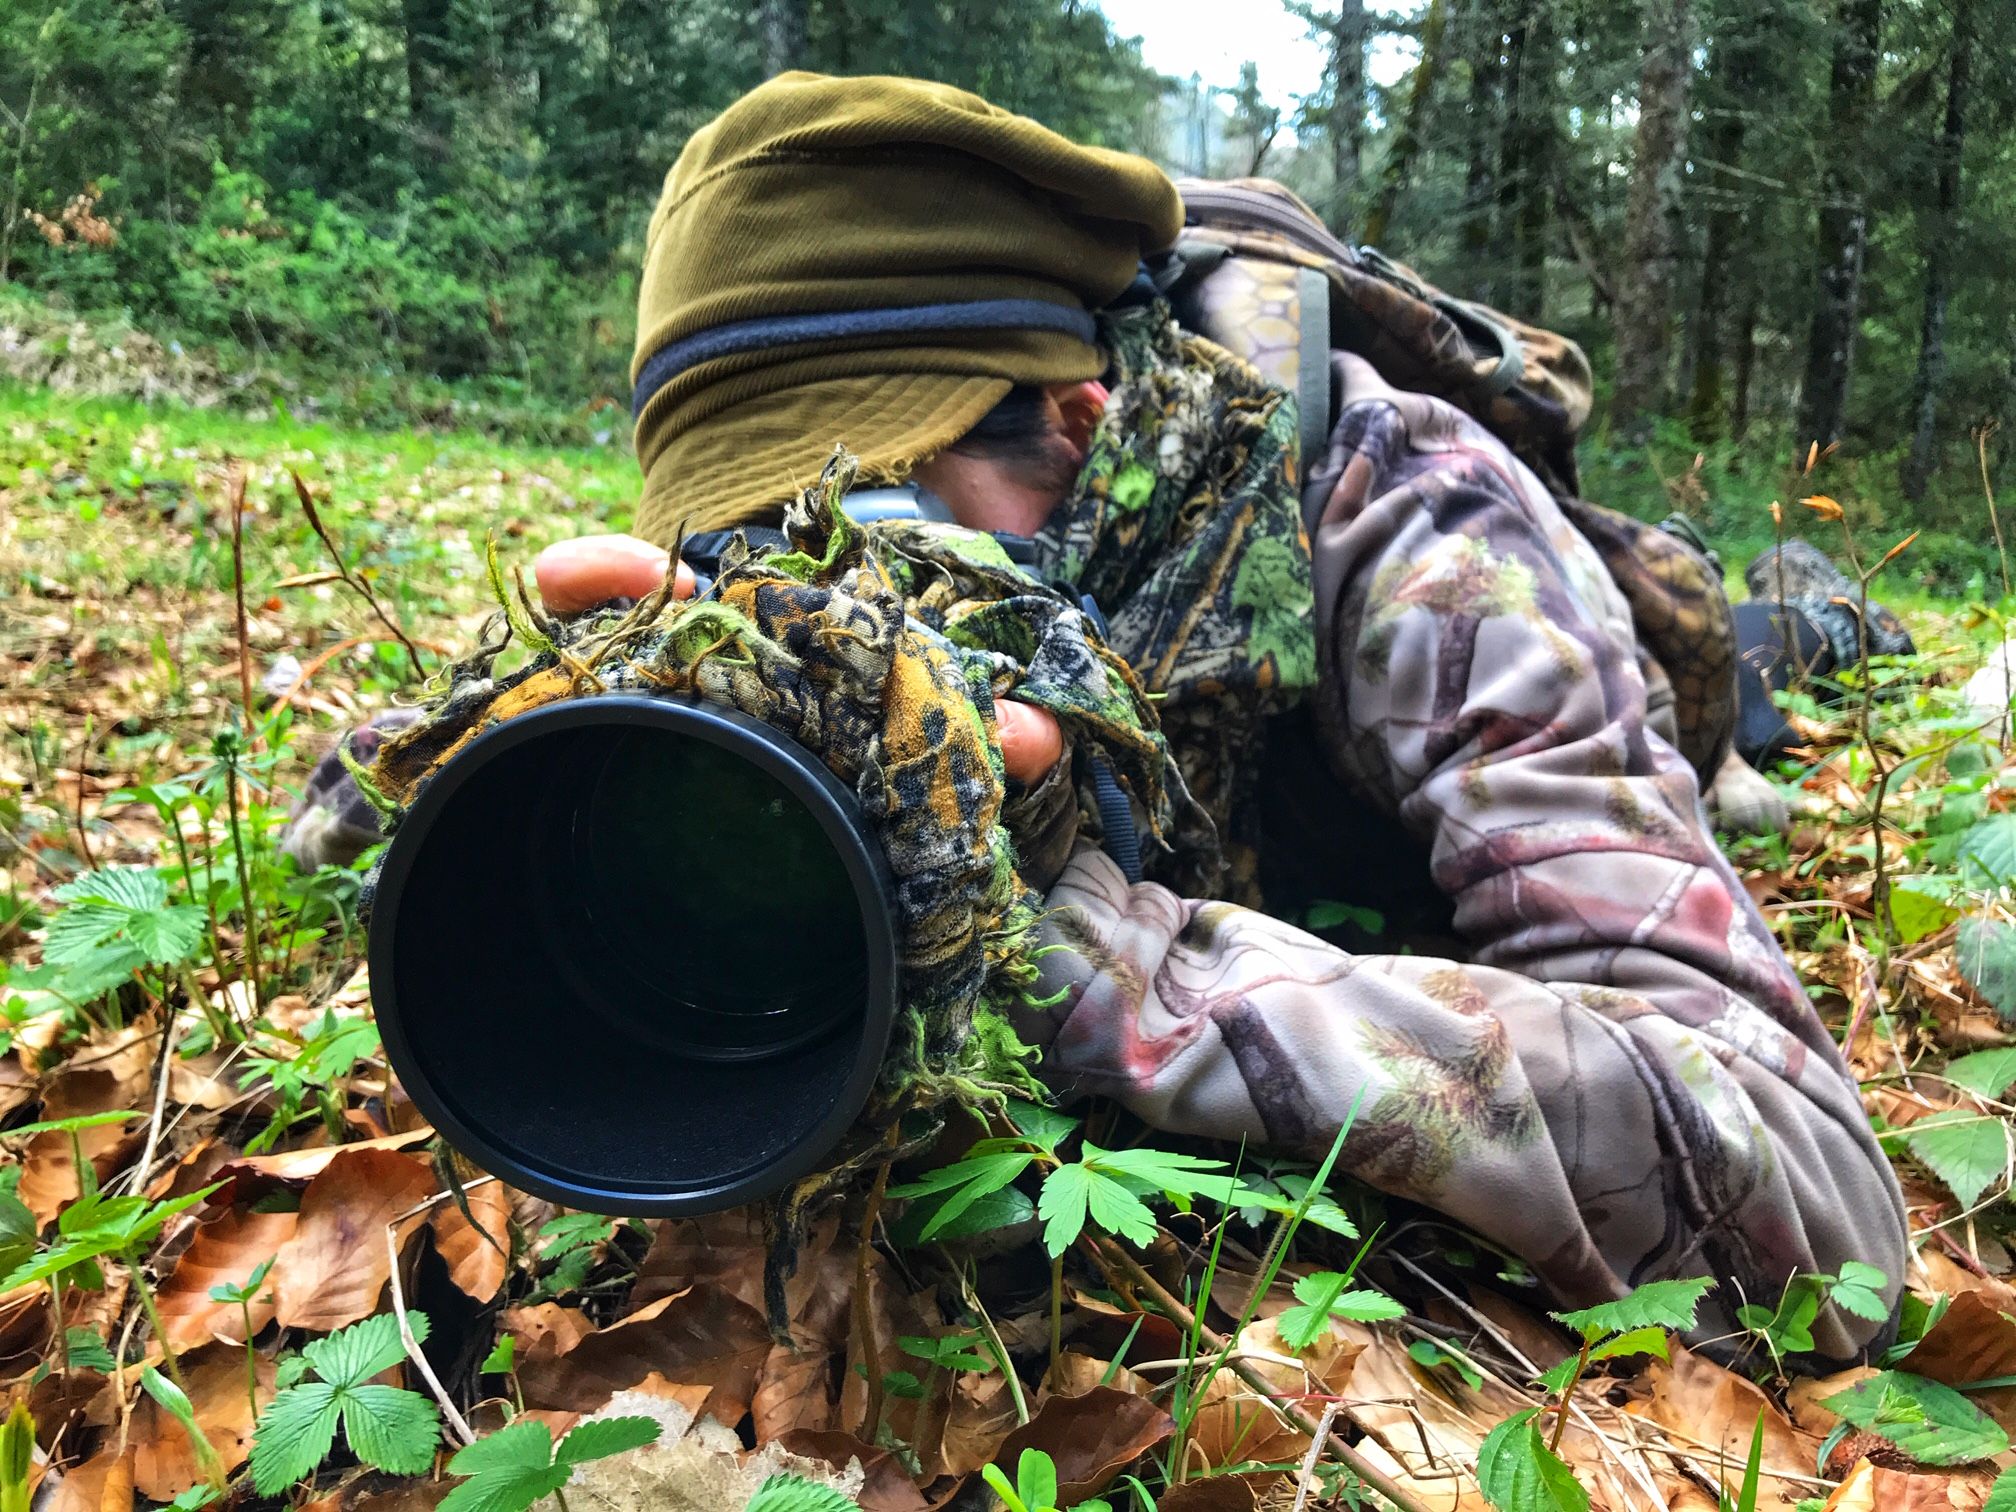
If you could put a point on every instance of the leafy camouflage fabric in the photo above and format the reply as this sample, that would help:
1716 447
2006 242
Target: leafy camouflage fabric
1806 579
1185 527
821 643
1620 1079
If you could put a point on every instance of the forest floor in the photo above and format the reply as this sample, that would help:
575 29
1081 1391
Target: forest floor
187 1029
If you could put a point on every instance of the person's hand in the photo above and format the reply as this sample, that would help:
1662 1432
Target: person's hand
589 570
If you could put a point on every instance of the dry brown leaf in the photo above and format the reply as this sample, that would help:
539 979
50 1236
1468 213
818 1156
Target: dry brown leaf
702 1337
332 1271
799 1387
1870 1488
477 1259
1236 1424
1217 1493
886 1486
206 1083
225 1250
304 1165
164 1461
566 1326
48 1176
981 1415
1972 1341
101 1484
725 1249
1091 1438
1711 1414
1073 1374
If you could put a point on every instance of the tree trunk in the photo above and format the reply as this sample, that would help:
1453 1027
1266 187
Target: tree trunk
1525 163
1843 234
1749 305
1940 233
1406 144
1482 126
1726 253
1652 216
1347 112
780 28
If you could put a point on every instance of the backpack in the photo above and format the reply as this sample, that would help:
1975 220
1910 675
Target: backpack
1258 273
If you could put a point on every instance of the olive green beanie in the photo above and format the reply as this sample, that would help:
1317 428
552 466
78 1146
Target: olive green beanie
870 263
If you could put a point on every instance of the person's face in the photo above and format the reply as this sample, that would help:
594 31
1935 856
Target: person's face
1016 496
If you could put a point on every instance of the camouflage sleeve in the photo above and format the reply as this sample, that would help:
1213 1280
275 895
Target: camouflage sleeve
1623 1081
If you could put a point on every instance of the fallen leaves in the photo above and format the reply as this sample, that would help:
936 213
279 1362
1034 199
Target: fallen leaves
702 1337
225 1250
1090 1437
331 1272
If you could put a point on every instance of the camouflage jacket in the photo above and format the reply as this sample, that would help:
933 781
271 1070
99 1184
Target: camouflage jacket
1617 1076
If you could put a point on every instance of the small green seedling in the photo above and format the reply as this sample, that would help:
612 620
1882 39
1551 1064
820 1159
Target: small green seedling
511 1469
793 1493
388 1428
1035 1488
242 1297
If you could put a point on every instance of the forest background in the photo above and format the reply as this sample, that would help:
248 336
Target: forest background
1770 222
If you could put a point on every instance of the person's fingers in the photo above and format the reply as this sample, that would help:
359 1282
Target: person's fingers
578 574
1031 741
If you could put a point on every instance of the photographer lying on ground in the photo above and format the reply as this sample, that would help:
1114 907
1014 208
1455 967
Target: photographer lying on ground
1616 1076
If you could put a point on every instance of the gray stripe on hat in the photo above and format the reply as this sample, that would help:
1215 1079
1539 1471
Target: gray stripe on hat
668 362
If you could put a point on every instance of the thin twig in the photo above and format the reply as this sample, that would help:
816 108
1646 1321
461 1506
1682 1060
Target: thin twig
160 1100
1305 1478
237 486
1982 435
355 583
1360 1466
1519 1357
448 1409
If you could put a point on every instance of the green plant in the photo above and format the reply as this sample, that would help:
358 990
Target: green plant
1517 1472
314 1066
511 1469
793 1493
96 1226
387 1427
17 1458
242 1295
1632 1325
1035 1487
1753 1469
1322 1296
176 1402
1788 1328
1931 1422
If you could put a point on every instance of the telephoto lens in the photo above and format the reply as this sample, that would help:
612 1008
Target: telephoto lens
637 955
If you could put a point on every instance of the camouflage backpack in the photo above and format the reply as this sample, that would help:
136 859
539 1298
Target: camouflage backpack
1257 272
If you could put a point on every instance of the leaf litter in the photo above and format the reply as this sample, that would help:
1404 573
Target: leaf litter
914 1360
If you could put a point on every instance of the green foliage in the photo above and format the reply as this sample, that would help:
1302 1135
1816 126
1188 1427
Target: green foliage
1517 1472
1035 1486
386 1427
2002 1495
1321 1297
792 1493
178 1406
1430 1355
96 1226
17 1458
1753 1468
511 1469
1986 954
1656 1304
1967 1151
1932 1423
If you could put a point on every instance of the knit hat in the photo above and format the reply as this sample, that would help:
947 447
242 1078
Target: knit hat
871 263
